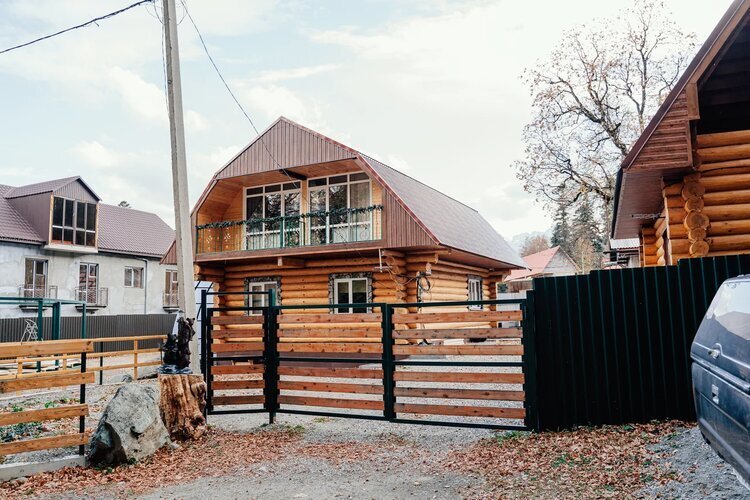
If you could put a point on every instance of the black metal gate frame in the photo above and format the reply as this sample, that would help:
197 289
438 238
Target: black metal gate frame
271 360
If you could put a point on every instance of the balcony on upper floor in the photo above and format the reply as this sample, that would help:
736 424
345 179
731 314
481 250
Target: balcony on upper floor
313 229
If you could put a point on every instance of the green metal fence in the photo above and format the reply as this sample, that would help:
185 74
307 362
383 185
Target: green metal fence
39 305
614 346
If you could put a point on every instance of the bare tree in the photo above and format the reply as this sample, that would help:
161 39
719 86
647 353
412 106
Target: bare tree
593 97
534 244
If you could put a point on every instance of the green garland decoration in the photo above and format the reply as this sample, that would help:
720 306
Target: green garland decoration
270 220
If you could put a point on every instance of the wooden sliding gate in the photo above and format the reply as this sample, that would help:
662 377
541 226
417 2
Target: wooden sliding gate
465 364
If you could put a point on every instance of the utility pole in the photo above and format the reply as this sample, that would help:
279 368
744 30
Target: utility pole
184 245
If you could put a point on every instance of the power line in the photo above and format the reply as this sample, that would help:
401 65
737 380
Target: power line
226 85
83 25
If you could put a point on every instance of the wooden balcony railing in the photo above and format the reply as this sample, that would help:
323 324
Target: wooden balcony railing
350 225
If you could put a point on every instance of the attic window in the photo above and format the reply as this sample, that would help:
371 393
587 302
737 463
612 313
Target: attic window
73 222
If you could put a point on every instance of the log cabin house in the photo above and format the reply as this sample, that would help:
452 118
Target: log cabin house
321 223
684 188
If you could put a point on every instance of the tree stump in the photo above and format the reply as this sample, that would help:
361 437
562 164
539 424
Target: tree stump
182 401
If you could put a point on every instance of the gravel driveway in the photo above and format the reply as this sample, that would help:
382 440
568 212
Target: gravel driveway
702 473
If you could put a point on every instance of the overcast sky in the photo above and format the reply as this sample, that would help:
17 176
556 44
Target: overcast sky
431 87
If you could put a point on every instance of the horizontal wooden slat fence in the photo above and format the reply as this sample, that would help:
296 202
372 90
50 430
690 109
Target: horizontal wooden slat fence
100 358
62 378
396 362
613 346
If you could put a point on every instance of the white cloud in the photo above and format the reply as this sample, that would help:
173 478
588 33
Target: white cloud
275 100
276 76
95 154
195 122
143 98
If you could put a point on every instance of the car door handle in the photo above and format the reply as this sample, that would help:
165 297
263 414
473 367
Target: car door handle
714 353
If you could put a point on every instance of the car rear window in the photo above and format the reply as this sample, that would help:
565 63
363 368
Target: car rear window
731 308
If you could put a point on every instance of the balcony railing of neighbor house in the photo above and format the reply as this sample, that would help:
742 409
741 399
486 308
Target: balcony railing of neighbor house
169 301
37 291
351 225
93 296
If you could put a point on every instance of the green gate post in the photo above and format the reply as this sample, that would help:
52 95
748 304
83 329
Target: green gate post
529 362
40 327
271 357
56 321
389 399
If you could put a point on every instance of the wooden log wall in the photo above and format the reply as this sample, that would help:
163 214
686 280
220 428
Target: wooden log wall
309 285
649 251
709 210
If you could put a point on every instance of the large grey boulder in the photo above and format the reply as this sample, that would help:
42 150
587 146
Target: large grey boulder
131 427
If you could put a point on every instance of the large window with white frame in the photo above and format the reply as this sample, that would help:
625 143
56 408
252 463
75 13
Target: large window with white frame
273 214
332 197
261 299
350 291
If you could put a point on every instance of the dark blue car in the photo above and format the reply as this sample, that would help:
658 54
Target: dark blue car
721 374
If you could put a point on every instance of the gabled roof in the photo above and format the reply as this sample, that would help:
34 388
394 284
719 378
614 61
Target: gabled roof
447 221
13 227
47 187
538 264
676 109
135 232
121 230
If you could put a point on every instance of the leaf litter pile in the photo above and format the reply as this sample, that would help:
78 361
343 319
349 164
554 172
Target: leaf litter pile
610 461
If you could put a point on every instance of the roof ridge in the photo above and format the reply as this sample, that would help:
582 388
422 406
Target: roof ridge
130 209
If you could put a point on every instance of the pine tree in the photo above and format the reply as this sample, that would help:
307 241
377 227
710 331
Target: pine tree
561 234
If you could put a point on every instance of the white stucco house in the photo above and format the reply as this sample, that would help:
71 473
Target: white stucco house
58 240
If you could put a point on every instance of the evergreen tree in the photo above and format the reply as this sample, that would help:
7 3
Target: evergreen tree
561 234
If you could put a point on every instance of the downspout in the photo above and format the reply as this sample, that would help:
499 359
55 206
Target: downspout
145 286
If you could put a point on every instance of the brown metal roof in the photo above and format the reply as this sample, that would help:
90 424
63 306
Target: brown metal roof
50 186
133 232
13 227
447 221
121 230
639 191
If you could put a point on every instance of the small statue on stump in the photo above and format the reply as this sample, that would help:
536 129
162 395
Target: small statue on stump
177 348
182 395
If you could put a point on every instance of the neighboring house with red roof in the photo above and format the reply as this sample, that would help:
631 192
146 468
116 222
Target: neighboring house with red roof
58 240
551 262
319 222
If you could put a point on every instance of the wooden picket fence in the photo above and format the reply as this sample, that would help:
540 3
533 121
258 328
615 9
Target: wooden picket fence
48 380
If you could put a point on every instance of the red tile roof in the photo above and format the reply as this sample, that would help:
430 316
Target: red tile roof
537 263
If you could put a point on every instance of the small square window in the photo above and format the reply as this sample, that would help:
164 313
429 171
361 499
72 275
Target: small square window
133 277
